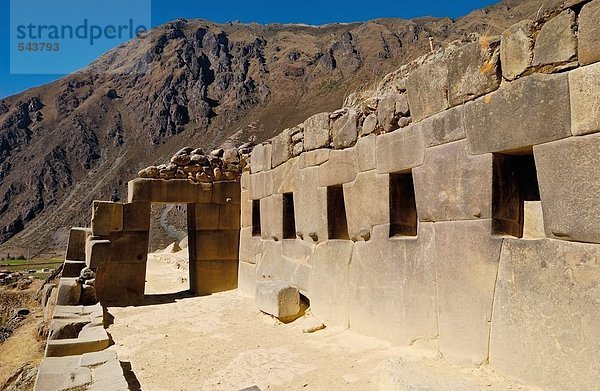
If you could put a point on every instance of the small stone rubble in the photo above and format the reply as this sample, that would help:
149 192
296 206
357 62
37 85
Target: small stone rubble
195 165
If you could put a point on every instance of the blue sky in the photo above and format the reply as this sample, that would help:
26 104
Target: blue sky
265 11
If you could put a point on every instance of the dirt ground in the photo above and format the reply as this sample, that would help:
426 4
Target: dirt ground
221 342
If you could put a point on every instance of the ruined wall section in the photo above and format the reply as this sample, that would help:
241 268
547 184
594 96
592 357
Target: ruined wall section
471 196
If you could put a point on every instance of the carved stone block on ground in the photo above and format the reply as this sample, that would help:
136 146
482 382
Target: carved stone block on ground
277 298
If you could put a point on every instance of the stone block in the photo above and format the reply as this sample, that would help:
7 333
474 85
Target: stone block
229 216
285 177
136 216
121 284
365 153
367 204
208 277
589 33
474 70
310 207
129 246
260 159
176 191
277 298
226 192
247 278
427 89
61 373
387 115
250 246
313 158
453 185
556 42
444 127
467 266
271 222
215 245
546 314
246 209
529 111
76 243
93 341
340 168
282 148
516 49
261 185
329 280
369 125
244 180
107 217
203 217
344 130
97 358
400 150
584 85
392 291
289 265
317 132
533 220
97 252
69 291
569 182
72 268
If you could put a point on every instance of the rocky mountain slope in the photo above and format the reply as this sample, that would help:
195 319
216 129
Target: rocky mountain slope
190 82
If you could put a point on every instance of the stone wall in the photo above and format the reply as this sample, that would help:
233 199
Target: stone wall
471 198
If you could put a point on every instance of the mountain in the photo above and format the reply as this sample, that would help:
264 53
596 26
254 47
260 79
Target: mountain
191 82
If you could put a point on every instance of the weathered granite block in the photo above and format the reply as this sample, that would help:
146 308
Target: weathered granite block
177 191
365 153
72 268
516 49
473 70
215 245
328 283
202 217
529 111
569 182
213 276
271 212
260 159
546 314
97 252
314 158
584 85
344 130
69 291
444 127
340 168
227 192
229 216
107 217
121 284
556 42
261 185
136 216
453 185
427 89
246 210
250 246
589 33
400 150
285 177
76 243
129 246
282 148
467 265
316 132
367 204
392 292
272 265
